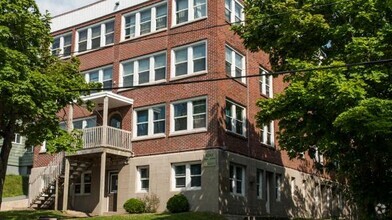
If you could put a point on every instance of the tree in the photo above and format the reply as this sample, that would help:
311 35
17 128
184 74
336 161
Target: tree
34 85
344 113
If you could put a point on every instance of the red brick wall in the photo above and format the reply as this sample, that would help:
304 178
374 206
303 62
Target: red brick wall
216 31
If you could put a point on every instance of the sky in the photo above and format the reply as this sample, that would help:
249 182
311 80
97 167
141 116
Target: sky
56 7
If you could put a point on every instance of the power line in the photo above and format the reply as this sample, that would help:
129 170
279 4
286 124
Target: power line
348 65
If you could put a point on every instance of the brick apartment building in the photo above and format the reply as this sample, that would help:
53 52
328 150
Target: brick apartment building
195 136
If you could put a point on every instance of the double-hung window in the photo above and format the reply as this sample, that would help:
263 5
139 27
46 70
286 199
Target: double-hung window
144 70
234 11
191 59
267 134
150 121
259 183
189 10
145 21
62 45
186 176
265 82
83 183
103 75
189 115
96 36
143 178
235 118
80 123
235 64
237 179
17 139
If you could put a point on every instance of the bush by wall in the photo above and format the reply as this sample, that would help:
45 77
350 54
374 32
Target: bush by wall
178 203
134 206
151 202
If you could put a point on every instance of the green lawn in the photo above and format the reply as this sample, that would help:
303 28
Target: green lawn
15 186
33 214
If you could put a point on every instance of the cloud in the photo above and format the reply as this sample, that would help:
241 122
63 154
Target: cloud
56 7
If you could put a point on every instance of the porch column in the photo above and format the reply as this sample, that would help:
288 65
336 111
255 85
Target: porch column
66 185
56 197
105 119
101 203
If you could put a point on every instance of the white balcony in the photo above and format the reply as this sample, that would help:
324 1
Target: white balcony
105 136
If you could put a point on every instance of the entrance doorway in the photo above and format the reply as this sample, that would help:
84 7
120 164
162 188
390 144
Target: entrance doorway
112 194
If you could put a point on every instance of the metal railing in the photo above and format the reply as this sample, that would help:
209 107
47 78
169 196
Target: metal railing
106 136
46 178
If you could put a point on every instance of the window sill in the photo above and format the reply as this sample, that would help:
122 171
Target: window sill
143 138
144 35
237 195
186 132
92 50
186 189
187 22
141 85
238 81
174 78
235 134
265 96
83 194
272 147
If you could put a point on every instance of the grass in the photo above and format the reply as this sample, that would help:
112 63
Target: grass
35 214
15 186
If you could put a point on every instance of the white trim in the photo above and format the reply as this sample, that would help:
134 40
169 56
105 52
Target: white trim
153 20
233 64
264 132
232 11
83 184
150 122
189 116
187 176
139 179
89 36
263 83
110 95
233 179
190 10
234 118
260 183
190 60
61 45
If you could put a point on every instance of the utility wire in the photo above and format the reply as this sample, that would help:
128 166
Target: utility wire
348 65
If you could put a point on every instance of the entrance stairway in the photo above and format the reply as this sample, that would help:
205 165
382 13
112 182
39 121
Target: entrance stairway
43 188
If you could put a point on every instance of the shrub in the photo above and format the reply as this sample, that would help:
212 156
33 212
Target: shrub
151 202
134 206
178 203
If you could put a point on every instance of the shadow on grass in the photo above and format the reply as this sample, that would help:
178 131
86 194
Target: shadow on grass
189 216
29 214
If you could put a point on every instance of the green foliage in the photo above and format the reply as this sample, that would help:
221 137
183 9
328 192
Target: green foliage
177 203
134 206
345 113
152 202
34 85
15 186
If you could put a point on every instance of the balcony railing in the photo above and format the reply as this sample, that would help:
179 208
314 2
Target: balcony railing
105 136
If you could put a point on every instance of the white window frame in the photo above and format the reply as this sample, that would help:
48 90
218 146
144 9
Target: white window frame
100 74
318 157
189 116
135 74
84 121
140 179
42 148
150 132
89 36
266 83
231 9
259 183
188 176
278 187
234 118
61 47
18 139
189 61
233 64
233 179
264 133
191 13
83 183
153 20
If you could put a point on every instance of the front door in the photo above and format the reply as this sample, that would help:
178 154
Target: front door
113 184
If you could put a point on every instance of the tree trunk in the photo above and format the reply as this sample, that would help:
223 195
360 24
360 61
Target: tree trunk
4 155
